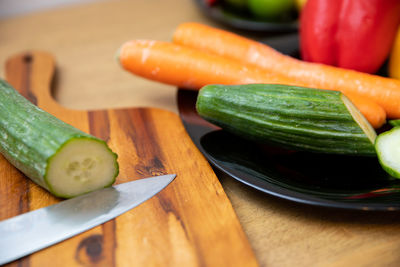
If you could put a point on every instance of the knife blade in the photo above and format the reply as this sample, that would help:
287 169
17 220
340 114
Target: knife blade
32 231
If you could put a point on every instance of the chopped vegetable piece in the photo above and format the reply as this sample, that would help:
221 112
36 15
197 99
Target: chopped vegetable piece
388 150
62 159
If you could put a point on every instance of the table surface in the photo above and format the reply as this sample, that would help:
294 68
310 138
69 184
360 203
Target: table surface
84 40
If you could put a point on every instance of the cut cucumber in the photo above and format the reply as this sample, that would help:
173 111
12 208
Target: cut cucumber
55 155
289 116
81 165
388 150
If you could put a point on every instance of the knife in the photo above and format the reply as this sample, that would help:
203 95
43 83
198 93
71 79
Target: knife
32 231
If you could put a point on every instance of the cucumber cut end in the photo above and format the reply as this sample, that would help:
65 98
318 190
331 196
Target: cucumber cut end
81 165
388 149
360 119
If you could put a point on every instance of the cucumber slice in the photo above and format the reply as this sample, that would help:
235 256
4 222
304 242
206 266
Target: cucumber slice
57 156
80 166
388 150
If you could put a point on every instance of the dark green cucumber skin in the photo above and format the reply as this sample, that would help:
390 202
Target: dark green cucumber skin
29 136
292 117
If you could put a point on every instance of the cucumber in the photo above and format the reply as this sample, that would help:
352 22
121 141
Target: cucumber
292 117
387 146
55 155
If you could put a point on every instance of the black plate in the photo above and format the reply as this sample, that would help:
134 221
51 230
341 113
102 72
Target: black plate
357 183
241 21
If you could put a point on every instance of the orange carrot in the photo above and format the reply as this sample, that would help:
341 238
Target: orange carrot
373 112
192 69
188 68
383 91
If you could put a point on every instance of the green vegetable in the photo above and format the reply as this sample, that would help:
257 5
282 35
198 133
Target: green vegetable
271 10
55 155
388 150
293 117
394 122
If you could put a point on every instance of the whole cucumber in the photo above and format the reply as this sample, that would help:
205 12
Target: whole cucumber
293 117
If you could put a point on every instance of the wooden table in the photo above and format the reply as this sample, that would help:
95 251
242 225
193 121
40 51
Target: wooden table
84 40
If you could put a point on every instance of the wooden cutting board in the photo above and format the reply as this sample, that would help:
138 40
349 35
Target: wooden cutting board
190 223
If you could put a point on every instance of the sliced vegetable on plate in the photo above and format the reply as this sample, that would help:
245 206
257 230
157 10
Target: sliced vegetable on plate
388 151
55 155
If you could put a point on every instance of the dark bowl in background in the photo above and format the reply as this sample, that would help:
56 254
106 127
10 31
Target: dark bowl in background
241 21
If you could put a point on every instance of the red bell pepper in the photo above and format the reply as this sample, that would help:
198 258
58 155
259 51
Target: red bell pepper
352 34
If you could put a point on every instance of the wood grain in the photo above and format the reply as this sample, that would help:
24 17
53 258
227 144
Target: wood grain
190 223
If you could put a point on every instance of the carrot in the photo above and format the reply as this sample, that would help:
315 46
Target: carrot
192 69
373 112
383 91
188 68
